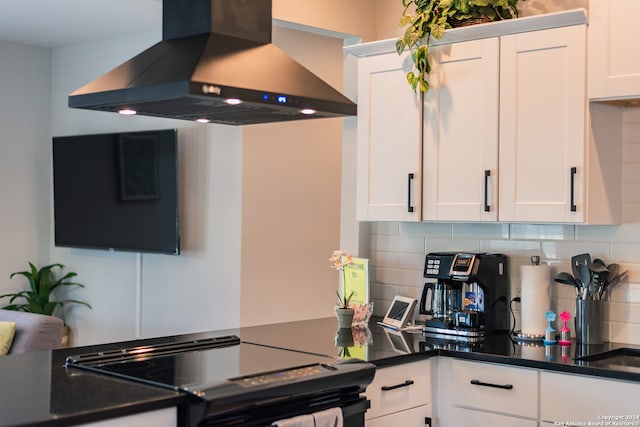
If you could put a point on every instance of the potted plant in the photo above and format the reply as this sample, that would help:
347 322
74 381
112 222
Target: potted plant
430 18
43 284
344 311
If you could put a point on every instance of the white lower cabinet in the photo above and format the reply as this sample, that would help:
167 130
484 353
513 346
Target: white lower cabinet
581 400
400 395
450 392
485 394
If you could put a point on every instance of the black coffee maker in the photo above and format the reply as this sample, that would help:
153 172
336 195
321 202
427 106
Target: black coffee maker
466 295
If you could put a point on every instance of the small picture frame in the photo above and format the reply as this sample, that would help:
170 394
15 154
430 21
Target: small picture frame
399 312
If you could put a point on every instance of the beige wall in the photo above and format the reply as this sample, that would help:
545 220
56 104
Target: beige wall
536 7
388 13
291 201
350 17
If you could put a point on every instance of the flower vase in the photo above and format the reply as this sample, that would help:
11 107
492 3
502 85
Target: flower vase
345 317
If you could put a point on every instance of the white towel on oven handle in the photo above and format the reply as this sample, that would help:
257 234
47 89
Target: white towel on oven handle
328 418
299 421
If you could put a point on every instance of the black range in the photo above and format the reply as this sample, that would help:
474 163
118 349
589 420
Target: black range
229 382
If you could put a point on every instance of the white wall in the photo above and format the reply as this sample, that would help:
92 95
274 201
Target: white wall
25 82
148 295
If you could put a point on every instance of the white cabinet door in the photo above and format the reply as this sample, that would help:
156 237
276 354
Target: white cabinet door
460 140
614 62
588 400
398 388
414 417
389 141
542 125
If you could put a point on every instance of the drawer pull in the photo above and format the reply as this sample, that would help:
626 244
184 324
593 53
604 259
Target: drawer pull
502 386
393 387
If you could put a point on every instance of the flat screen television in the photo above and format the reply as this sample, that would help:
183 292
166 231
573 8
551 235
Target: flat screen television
117 191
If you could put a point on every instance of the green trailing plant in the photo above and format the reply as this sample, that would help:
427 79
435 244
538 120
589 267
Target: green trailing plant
43 283
424 19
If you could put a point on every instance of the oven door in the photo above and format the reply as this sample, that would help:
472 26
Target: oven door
262 414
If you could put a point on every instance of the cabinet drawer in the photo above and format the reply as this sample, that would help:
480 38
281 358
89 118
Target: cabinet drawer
469 417
398 388
414 417
491 387
586 399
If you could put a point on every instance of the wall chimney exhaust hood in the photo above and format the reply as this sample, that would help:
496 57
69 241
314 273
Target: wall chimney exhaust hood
215 63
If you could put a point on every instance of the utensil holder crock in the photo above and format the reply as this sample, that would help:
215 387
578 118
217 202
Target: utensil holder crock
589 320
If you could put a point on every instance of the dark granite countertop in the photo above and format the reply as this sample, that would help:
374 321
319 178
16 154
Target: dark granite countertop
37 389
387 347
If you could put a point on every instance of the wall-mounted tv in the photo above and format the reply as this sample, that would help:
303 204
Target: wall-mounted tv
117 191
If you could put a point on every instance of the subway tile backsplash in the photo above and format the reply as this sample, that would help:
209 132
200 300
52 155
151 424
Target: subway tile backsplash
398 250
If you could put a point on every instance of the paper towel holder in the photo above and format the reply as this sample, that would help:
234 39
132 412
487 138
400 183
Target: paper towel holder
518 336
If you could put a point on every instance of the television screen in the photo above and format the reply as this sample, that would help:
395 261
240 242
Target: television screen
117 191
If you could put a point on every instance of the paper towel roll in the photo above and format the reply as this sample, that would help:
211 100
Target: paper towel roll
534 298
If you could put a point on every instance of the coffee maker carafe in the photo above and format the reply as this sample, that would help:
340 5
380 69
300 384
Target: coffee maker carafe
466 295
442 299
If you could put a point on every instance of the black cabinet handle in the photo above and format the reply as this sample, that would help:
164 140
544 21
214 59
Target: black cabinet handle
503 386
573 184
487 174
427 421
393 387
410 178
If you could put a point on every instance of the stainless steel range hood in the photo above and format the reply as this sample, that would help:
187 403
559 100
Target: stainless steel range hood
215 63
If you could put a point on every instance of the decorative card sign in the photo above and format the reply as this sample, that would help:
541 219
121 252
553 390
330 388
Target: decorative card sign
356 279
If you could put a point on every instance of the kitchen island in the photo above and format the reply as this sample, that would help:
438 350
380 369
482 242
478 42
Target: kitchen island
37 388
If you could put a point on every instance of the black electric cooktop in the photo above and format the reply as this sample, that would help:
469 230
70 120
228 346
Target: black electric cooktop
224 369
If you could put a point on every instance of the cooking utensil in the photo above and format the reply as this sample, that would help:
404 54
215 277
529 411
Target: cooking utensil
567 279
612 282
576 260
585 278
598 267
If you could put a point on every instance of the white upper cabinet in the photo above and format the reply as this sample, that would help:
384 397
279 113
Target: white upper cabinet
506 132
389 141
560 156
614 62
460 172
542 125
